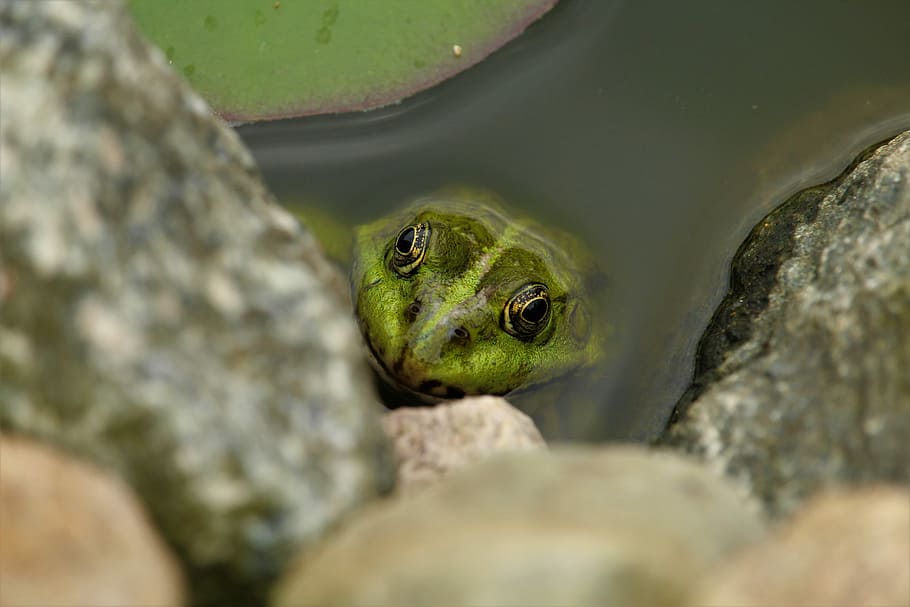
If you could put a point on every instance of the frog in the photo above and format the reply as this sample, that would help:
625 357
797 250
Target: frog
457 295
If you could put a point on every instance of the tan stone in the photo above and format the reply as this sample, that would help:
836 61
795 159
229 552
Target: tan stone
844 548
598 527
429 442
73 535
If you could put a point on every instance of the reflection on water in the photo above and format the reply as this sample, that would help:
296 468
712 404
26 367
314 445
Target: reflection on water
659 132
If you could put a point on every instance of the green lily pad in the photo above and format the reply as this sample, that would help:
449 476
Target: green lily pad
264 59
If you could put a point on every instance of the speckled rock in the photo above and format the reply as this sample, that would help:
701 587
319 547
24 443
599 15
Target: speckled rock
841 548
803 377
429 442
160 314
72 535
619 526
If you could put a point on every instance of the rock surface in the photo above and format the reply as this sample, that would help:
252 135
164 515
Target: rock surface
843 548
802 378
430 442
72 535
620 526
160 314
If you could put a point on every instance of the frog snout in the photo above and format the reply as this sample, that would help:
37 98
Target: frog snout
434 330
429 342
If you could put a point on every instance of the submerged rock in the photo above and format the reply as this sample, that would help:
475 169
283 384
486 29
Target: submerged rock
841 548
803 376
74 536
159 314
430 442
620 526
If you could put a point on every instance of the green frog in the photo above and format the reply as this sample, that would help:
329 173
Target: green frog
455 296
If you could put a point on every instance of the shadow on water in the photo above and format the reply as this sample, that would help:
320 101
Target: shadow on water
659 132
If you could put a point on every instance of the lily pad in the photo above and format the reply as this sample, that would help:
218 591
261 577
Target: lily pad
264 59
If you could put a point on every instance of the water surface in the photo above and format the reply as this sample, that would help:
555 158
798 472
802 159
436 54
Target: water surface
660 132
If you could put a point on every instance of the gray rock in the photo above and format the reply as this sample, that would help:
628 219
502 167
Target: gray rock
430 442
620 526
803 377
159 314
75 536
841 548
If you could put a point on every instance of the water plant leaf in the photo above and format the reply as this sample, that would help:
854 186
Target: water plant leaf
264 59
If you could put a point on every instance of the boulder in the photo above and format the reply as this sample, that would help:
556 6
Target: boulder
74 535
161 315
803 376
841 548
572 526
430 442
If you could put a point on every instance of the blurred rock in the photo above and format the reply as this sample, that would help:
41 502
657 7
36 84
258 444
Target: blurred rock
160 314
620 526
846 548
802 377
72 535
429 442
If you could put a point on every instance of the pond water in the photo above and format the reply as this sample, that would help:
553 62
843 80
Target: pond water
659 132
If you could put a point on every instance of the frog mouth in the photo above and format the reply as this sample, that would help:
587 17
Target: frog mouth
428 390
436 388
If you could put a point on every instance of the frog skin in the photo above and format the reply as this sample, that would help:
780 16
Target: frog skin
454 296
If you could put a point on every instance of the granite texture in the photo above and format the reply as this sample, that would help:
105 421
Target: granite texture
803 376
160 314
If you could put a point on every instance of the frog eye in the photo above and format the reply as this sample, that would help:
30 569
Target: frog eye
527 311
410 248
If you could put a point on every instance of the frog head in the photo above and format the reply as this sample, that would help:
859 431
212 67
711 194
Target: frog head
455 297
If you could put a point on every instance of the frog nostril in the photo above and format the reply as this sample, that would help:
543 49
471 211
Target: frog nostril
460 334
412 311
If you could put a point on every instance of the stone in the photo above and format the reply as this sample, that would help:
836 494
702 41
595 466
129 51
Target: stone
161 315
430 442
74 535
567 526
802 377
840 548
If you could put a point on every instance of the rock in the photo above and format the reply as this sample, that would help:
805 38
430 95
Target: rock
618 526
73 535
429 442
802 378
160 314
842 548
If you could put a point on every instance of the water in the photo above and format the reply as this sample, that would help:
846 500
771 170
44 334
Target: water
659 132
